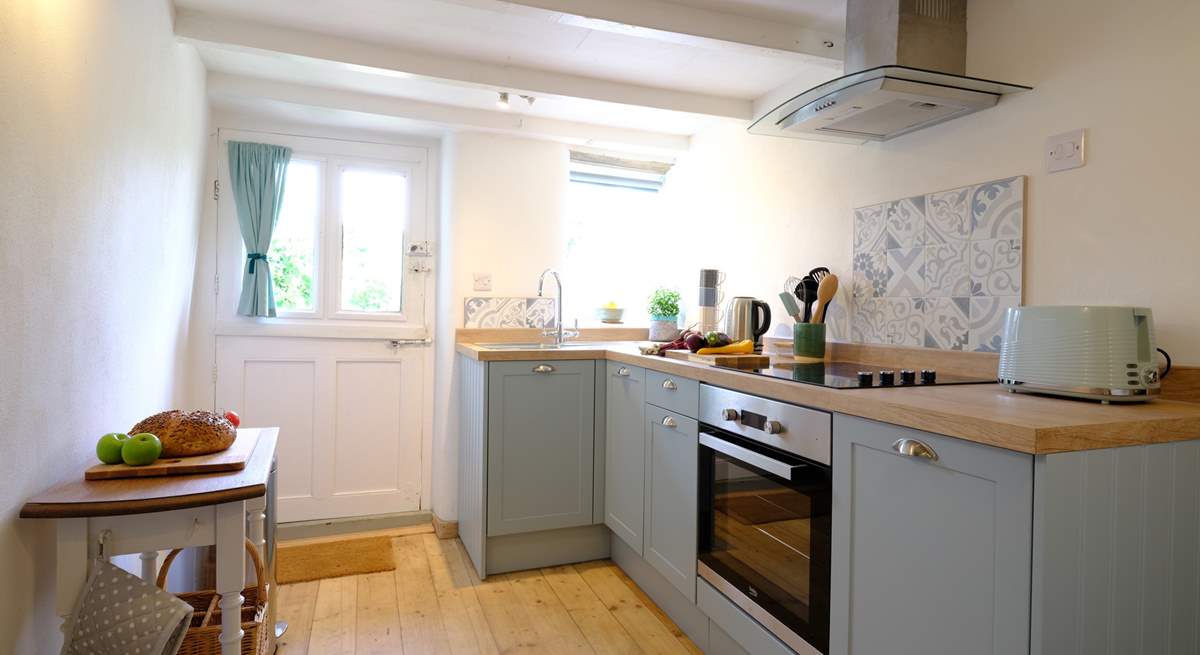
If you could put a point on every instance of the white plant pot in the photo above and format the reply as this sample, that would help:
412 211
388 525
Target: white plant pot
664 329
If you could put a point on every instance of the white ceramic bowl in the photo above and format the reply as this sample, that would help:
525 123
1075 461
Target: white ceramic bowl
609 314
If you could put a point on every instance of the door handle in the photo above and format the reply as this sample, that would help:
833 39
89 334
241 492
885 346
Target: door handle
747 456
623 372
670 385
915 448
543 368
670 422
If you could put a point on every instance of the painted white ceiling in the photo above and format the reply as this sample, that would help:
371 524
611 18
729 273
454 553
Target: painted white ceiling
332 75
503 33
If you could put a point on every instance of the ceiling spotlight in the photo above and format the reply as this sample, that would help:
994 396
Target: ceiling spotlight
503 101
529 99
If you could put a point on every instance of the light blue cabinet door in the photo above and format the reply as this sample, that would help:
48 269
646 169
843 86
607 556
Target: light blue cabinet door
930 557
671 478
541 425
625 453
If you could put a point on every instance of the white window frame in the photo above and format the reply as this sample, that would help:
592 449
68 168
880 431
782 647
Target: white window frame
327 317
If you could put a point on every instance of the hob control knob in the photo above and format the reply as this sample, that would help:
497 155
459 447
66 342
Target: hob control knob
866 378
908 376
887 378
928 376
774 427
729 414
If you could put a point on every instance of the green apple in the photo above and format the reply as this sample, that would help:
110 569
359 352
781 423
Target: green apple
141 449
108 449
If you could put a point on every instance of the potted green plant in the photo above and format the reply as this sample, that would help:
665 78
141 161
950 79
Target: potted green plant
664 315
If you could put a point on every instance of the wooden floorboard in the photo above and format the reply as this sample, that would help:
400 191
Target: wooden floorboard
434 604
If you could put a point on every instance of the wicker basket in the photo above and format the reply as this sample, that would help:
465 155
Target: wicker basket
204 634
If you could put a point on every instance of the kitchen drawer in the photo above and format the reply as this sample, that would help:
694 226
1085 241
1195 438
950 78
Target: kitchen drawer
674 393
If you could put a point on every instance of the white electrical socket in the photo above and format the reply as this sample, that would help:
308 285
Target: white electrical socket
483 281
1065 151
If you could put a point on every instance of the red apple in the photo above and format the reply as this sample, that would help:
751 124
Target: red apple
233 418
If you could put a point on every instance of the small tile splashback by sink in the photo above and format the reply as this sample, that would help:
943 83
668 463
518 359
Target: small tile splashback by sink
939 270
480 312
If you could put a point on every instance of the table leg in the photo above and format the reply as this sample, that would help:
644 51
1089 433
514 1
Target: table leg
72 566
150 566
231 572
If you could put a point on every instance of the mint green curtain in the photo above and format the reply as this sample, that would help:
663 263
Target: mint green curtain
257 172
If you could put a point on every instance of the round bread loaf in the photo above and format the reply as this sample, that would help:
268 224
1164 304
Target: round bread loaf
184 434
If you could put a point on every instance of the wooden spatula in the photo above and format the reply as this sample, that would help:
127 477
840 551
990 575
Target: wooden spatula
825 293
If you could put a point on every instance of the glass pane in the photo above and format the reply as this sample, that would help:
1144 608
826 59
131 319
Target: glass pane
293 252
374 214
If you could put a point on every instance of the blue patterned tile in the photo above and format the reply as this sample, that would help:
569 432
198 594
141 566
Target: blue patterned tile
906 223
948 216
540 313
866 321
870 227
906 273
947 270
998 209
986 322
947 323
494 313
903 321
870 275
996 267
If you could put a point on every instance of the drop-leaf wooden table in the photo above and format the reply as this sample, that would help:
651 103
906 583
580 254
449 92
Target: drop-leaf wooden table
146 515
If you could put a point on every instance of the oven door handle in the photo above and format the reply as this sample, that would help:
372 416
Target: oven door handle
758 460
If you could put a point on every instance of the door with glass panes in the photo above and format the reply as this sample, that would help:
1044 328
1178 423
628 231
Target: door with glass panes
343 368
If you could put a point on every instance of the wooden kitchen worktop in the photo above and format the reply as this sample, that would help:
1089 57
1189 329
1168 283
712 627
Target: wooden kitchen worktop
87 498
984 413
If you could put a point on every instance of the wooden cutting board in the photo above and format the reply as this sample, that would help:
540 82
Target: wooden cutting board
231 459
728 361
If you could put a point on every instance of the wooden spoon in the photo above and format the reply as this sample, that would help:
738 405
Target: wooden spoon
825 293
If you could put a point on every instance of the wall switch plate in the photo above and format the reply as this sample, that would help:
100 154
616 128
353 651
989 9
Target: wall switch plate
483 282
1065 151
420 249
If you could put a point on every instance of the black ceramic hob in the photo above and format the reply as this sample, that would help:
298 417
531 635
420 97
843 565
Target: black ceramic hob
852 375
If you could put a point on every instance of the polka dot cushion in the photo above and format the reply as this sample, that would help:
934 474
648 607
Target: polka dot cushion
120 614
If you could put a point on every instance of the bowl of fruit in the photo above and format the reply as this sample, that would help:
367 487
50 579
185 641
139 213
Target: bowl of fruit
610 313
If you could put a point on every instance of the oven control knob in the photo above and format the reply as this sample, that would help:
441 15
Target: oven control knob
774 427
908 376
928 376
729 414
887 378
866 378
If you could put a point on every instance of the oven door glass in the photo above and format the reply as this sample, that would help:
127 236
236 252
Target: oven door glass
764 532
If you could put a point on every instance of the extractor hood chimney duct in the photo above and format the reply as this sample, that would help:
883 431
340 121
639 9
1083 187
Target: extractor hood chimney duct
905 68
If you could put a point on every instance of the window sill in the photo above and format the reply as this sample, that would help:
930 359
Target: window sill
314 329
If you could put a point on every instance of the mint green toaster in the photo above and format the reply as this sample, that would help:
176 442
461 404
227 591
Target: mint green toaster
1100 353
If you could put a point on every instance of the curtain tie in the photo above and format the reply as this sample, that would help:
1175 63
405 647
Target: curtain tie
253 256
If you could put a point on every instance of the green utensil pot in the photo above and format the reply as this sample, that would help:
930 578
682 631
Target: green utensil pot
808 341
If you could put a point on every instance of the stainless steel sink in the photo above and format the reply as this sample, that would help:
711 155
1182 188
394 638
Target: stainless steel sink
539 346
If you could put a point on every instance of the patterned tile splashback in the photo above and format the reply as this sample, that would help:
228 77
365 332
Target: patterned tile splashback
939 270
482 312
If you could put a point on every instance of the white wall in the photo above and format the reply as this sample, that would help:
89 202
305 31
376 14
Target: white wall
502 207
102 135
1118 231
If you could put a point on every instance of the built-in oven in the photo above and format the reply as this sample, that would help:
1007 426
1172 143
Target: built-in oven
765 496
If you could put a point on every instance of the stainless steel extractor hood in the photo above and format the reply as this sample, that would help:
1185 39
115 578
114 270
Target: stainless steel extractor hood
905 61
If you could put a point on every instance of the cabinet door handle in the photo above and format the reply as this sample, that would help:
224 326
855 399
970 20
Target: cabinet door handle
623 372
543 368
670 422
670 385
914 448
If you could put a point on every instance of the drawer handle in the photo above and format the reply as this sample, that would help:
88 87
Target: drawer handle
623 372
543 368
914 448
670 422
670 385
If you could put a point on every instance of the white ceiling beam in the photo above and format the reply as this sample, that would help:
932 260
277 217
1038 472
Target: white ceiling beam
199 27
223 86
666 21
